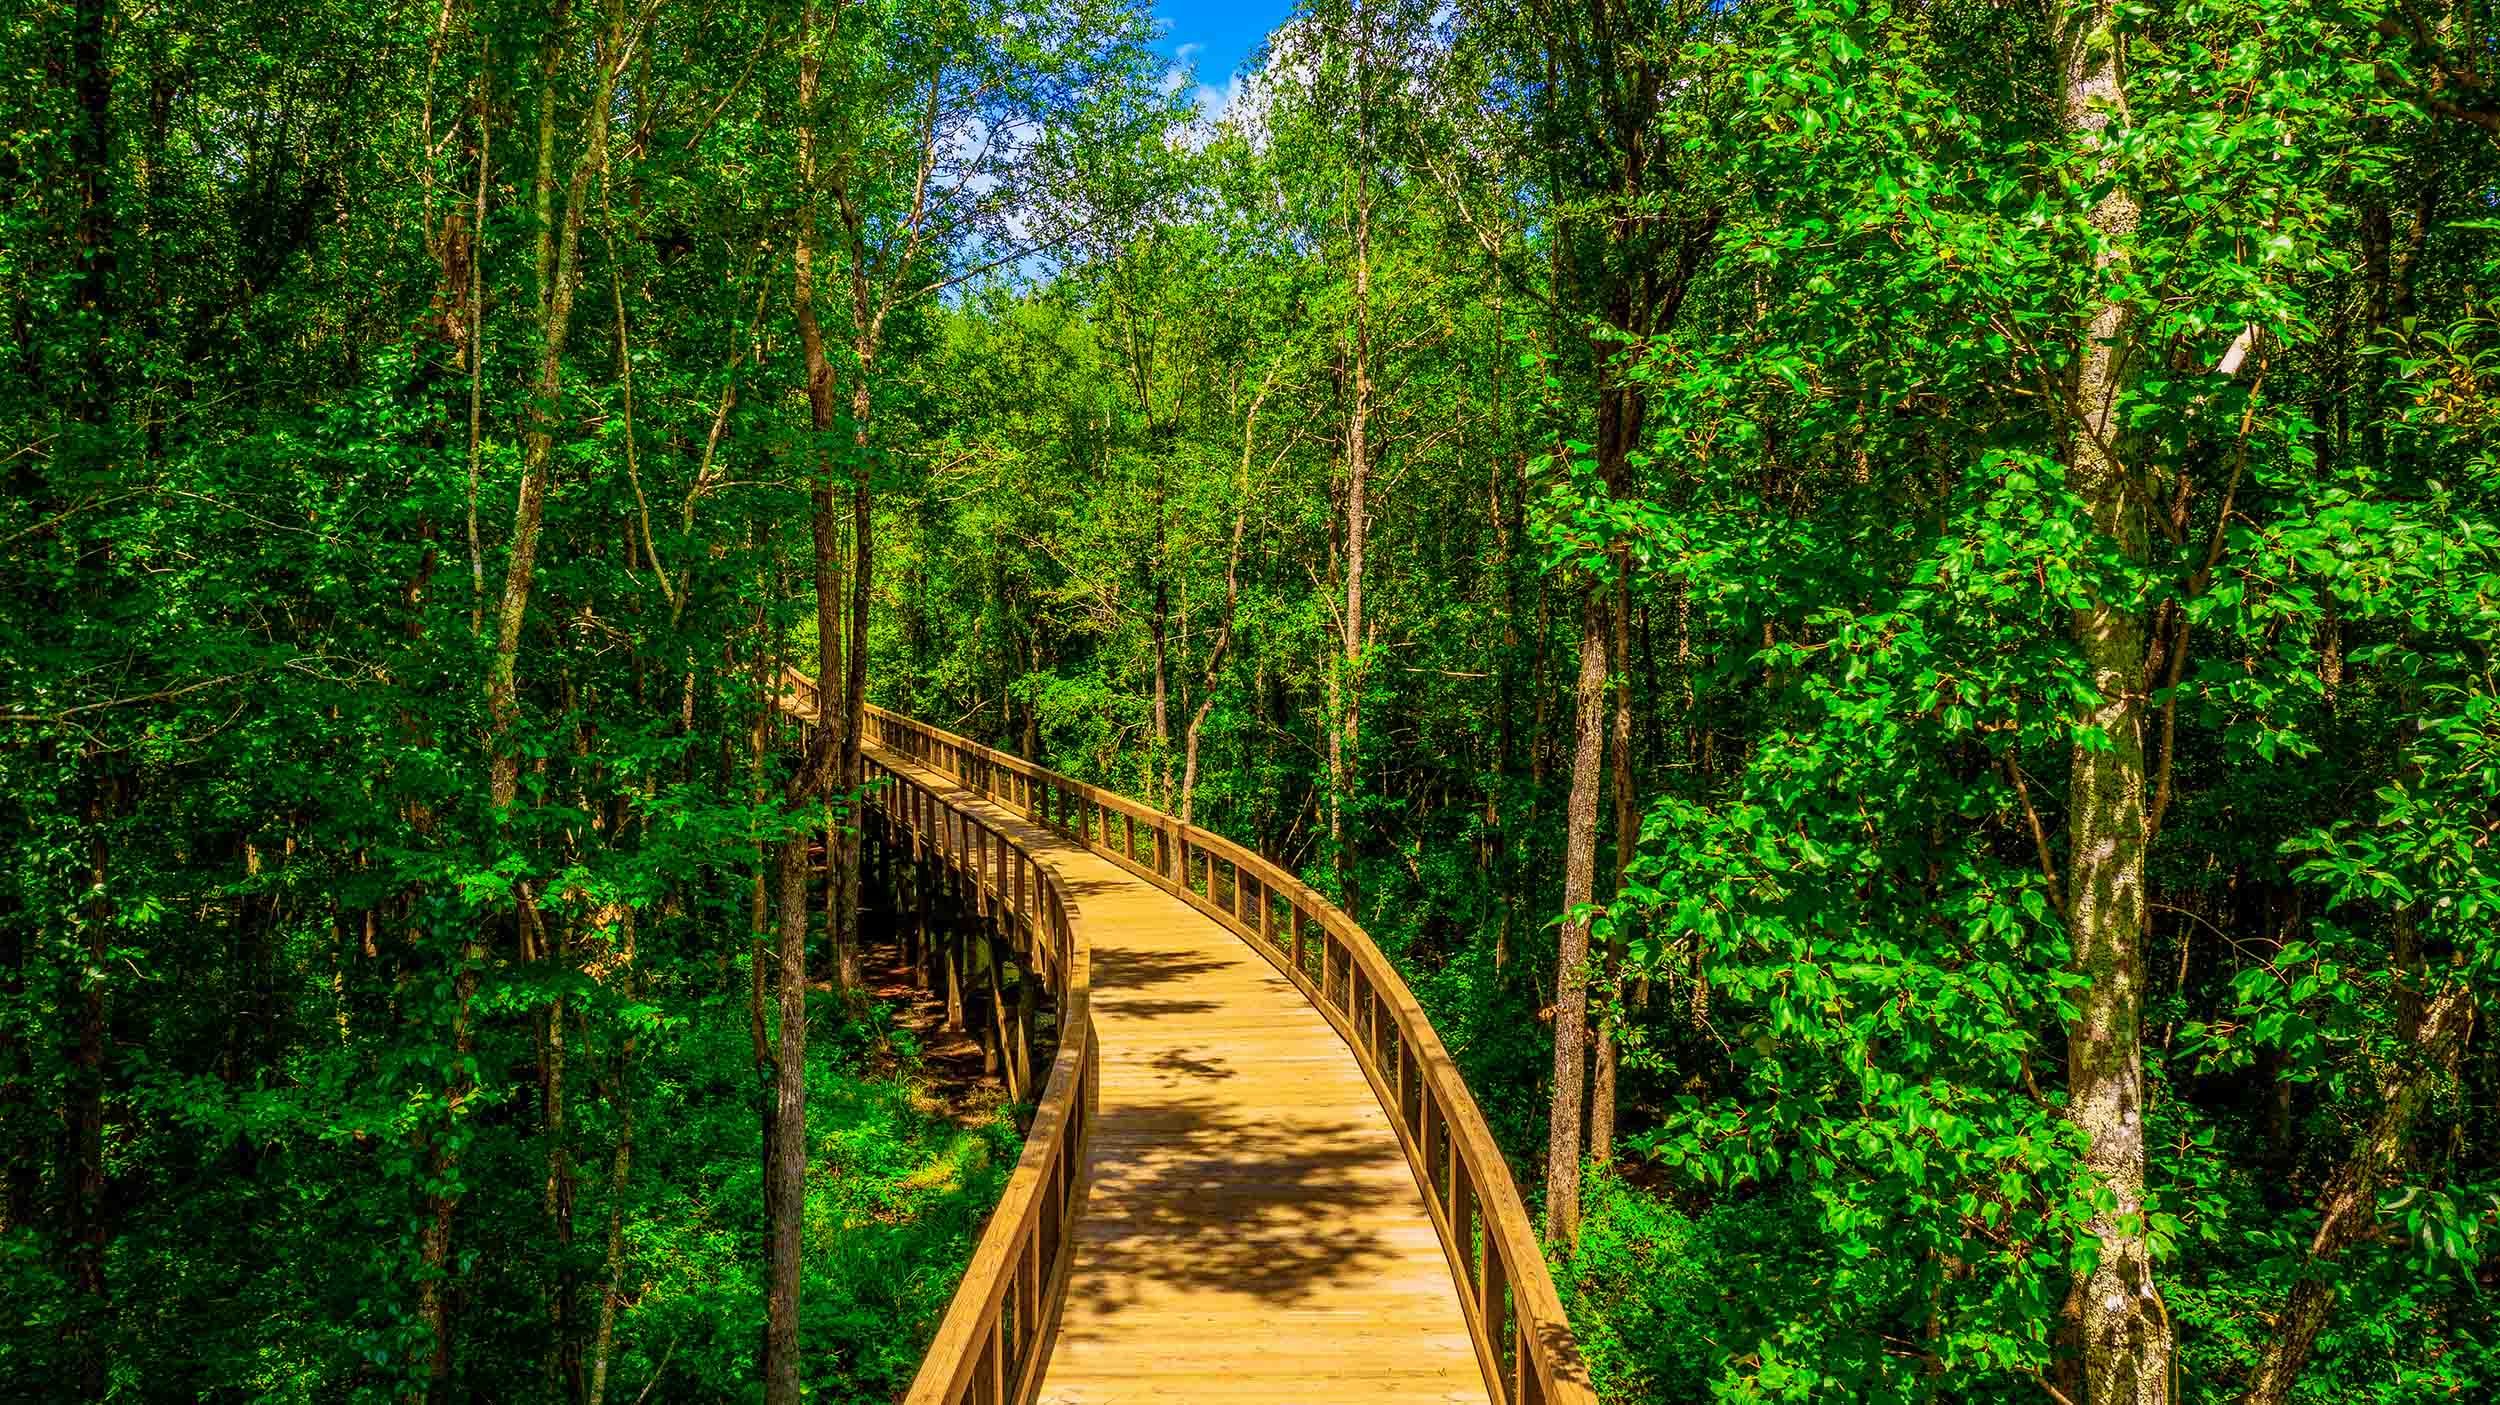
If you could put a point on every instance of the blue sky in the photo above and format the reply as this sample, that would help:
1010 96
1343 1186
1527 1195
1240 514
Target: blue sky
1215 36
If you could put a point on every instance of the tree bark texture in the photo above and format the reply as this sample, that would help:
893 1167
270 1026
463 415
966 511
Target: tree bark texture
2126 1331
1571 979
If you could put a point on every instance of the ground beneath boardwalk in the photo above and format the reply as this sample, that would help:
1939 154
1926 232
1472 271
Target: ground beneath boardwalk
951 1081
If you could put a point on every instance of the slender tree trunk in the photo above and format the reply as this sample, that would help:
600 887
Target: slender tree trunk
785 1156
85 1230
1232 604
833 678
1607 1058
786 1170
543 188
434 1241
2348 1208
564 1348
1159 629
1032 748
85 1227
502 687
1571 977
476 332
538 442
2126 1331
846 839
761 958
1345 749
620 1172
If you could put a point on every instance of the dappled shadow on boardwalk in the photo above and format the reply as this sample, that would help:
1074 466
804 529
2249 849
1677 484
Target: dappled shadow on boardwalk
1190 1195
1180 1064
1124 977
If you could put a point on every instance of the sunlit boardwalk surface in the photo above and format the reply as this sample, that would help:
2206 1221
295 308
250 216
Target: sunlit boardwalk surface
1253 1231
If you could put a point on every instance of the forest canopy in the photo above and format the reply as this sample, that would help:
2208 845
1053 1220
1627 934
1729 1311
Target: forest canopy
1889 610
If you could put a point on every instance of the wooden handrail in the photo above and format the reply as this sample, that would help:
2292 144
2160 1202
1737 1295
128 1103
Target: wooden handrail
1523 1341
995 1337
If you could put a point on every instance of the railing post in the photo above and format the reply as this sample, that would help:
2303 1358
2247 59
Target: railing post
1495 1311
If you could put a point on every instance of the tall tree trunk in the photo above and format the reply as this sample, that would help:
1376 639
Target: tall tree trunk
543 187
1610 1012
85 1229
443 1206
786 1169
538 442
2126 1331
1159 629
845 840
1571 976
477 334
564 1347
502 685
620 1096
833 677
1346 750
785 1155
763 962
1232 604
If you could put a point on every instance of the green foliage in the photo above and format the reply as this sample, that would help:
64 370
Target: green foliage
1662 1300
319 1066
1836 264
1752 328
896 1198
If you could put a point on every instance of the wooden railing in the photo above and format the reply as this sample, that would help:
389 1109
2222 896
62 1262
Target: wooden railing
996 1333
1523 1341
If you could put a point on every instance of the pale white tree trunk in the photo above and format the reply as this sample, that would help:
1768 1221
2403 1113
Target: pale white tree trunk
2126 1330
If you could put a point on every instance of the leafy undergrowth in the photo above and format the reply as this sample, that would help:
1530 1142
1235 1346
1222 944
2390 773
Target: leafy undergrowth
897 1193
1673 1307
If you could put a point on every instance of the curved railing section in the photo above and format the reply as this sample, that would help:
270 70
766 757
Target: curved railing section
996 1334
1523 1341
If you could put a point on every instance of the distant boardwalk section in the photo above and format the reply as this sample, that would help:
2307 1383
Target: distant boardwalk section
1254 1175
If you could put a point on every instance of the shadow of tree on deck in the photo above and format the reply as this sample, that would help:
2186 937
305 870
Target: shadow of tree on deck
1181 1065
1197 1195
1123 976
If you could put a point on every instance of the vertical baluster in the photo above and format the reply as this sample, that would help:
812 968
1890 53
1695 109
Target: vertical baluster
1494 1311
1032 1315
1405 1081
1427 1130
994 1363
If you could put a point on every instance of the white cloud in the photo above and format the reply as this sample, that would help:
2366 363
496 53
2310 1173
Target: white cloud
1184 69
1214 102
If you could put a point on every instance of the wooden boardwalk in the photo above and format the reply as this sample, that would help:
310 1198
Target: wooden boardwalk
1253 1231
